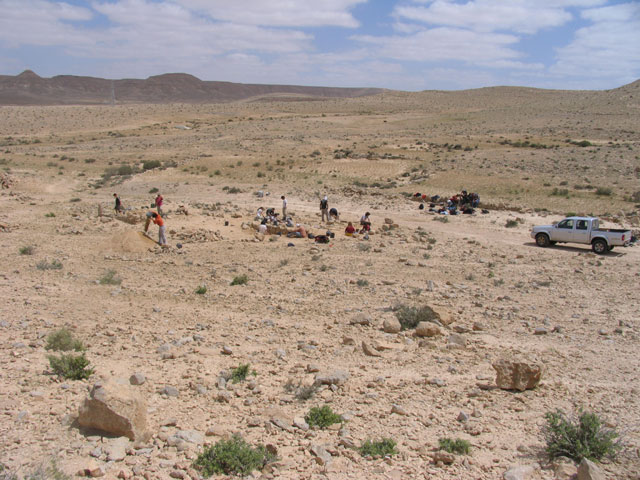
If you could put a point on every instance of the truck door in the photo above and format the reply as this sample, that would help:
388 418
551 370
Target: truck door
563 231
581 234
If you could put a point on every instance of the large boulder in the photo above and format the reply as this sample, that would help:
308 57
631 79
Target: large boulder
589 471
517 374
117 409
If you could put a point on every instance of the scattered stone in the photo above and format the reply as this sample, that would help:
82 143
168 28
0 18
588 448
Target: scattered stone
587 470
463 417
519 472
348 341
190 436
320 454
444 457
540 331
137 379
226 350
397 409
169 391
456 340
312 368
300 423
369 351
360 319
117 409
338 377
116 449
478 327
517 375
391 325
427 329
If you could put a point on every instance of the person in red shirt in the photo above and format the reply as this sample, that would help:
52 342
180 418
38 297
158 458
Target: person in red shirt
350 230
159 201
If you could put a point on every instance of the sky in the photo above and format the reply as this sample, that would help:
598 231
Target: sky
407 45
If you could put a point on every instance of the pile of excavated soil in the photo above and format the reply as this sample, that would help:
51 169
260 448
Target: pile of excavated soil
130 241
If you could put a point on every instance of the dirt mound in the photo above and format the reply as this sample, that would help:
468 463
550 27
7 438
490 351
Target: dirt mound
130 241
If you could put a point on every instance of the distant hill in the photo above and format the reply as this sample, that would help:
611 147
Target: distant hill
30 89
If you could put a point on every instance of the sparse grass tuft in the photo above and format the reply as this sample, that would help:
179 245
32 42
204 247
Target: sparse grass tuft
28 250
578 438
63 341
232 457
240 280
322 417
385 447
441 218
110 278
410 317
511 223
44 265
458 445
604 191
153 190
50 215
362 282
240 373
201 290
71 367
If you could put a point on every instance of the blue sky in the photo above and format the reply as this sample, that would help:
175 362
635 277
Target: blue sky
399 44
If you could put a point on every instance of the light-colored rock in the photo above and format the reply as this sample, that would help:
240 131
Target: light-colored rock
369 350
427 329
517 374
520 472
456 340
360 319
587 470
391 325
337 377
137 379
320 454
116 449
444 457
117 409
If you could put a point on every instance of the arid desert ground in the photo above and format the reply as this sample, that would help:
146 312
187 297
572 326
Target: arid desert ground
311 309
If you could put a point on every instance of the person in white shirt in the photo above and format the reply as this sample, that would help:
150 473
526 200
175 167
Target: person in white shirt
284 207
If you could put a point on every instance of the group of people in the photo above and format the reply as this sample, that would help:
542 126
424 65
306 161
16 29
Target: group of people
462 202
155 217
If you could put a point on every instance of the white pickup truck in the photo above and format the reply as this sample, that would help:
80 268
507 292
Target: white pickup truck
581 230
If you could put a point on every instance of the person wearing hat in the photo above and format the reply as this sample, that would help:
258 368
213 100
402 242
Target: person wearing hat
324 208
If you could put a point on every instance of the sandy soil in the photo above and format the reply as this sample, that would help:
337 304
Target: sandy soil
299 306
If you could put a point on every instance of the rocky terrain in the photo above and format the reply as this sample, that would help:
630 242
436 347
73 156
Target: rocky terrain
318 322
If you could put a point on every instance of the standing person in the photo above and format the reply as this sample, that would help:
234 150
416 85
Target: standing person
365 222
157 219
324 208
118 207
159 202
284 208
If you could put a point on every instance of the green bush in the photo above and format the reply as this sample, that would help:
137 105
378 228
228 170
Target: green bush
125 170
63 341
232 457
322 417
201 290
50 215
578 438
410 317
154 190
239 374
109 278
380 448
26 250
240 280
454 446
71 367
150 164
604 191
362 282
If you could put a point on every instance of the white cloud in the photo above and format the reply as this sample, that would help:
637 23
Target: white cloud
521 16
444 44
37 22
607 49
284 13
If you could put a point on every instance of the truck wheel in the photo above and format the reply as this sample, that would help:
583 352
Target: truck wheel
542 240
611 248
599 246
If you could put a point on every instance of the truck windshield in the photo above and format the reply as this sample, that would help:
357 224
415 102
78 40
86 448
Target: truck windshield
567 223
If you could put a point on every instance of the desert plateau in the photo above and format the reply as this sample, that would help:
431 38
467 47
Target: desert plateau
318 324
